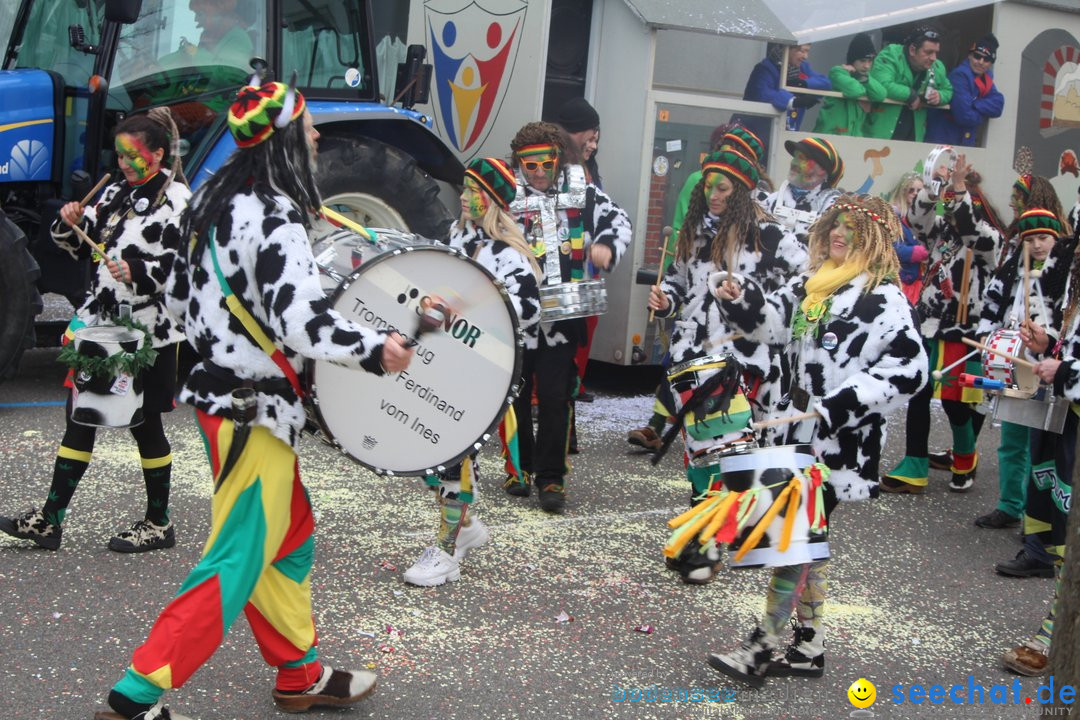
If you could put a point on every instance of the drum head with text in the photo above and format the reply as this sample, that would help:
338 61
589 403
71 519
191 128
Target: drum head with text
461 378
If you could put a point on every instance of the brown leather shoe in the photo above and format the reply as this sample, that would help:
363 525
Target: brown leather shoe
644 437
1026 660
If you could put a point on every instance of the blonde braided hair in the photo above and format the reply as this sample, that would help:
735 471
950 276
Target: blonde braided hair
876 229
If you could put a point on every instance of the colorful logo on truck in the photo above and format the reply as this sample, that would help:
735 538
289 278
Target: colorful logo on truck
473 47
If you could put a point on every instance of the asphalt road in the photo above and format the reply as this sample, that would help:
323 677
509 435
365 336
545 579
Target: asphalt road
913 597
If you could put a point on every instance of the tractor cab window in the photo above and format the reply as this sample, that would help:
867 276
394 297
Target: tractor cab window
326 43
189 54
51 41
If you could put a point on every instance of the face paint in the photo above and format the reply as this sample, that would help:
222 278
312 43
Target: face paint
805 173
136 156
841 239
474 201
540 165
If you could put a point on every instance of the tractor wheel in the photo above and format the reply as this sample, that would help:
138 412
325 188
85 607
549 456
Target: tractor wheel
21 299
378 185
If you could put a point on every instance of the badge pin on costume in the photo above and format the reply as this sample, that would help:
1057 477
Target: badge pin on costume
829 341
141 205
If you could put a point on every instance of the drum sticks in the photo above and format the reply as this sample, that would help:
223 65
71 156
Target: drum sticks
1018 360
660 270
95 190
965 287
784 420
1027 281
86 239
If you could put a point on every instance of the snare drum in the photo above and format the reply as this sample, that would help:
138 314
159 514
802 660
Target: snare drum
460 381
761 474
1042 410
115 400
720 419
999 367
569 300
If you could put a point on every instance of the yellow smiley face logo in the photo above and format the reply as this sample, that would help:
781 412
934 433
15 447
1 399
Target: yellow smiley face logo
862 693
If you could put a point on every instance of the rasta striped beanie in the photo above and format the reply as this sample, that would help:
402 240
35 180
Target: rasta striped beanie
495 178
258 111
735 165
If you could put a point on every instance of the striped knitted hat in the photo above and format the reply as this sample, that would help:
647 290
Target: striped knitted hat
258 111
823 153
735 165
745 142
1023 184
1038 221
495 178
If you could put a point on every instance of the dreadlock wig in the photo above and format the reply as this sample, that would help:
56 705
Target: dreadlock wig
738 225
876 229
538 134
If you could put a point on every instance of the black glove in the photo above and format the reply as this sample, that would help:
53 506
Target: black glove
794 78
805 101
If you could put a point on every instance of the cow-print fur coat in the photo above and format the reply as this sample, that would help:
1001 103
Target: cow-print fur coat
701 329
947 242
865 360
1003 305
809 206
604 223
508 266
265 256
144 234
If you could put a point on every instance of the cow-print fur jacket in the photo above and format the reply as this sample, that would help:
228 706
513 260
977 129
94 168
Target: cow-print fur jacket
265 256
603 222
1067 377
1003 304
947 242
701 328
508 266
864 361
808 207
145 235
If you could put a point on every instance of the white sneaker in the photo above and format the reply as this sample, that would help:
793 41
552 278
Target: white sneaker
434 567
471 536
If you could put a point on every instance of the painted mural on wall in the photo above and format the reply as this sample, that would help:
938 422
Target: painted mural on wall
1050 81
473 45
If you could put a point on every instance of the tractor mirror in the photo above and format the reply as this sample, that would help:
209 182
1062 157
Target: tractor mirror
124 12
413 78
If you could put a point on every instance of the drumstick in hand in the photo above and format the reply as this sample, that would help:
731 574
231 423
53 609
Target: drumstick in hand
660 270
95 190
99 249
1018 360
784 420
1027 281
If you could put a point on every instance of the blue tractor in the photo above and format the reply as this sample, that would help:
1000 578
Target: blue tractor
74 68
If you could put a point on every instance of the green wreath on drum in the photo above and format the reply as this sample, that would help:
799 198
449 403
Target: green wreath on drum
119 363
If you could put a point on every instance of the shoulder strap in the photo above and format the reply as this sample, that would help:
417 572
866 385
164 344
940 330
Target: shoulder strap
251 325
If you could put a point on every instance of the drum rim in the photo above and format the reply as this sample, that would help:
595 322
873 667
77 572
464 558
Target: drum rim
311 384
703 360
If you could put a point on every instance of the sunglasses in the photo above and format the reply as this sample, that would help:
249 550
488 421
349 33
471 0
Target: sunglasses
982 57
534 165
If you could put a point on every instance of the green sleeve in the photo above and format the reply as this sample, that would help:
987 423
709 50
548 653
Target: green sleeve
681 206
843 82
875 91
888 71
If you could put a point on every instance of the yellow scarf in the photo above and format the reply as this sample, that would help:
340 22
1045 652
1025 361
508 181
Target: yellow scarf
826 281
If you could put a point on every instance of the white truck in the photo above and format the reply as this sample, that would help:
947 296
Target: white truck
663 74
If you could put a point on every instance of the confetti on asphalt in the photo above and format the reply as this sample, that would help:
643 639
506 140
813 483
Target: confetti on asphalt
647 629
394 632
365 633
564 618
386 648
385 565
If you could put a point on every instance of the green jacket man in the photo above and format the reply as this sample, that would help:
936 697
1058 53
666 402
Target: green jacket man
911 74
844 116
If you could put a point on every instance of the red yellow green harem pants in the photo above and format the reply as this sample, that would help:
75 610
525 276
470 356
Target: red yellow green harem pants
257 559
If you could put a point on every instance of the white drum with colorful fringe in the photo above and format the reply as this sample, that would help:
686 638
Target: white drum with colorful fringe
778 510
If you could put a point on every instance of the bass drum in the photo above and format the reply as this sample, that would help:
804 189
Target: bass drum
462 378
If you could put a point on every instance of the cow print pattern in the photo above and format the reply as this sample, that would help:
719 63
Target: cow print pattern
266 259
865 361
145 235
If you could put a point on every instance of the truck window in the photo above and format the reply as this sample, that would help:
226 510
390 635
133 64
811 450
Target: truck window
187 50
45 42
326 43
